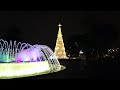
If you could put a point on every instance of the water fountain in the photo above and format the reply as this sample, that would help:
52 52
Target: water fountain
22 60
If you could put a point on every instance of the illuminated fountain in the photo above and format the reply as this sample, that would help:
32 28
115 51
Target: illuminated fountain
22 60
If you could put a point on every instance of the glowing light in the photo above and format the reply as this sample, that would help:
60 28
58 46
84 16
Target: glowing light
59 48
113 50
81 52
17 69
26 59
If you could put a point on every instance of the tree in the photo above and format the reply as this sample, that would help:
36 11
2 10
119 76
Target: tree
59 48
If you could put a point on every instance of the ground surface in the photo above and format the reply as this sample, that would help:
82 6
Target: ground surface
77 69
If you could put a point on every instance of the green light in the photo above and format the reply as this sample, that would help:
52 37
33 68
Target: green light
6 57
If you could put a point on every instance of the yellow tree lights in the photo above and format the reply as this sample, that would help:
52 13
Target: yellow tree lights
59 48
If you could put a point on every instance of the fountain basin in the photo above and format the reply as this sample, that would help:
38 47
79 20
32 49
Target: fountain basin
23 60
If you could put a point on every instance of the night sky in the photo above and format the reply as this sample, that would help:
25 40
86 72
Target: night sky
40 27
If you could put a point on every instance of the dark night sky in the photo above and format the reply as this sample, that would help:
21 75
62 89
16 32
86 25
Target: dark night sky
40 27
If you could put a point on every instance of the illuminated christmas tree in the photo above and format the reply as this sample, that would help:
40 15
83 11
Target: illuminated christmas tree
59 48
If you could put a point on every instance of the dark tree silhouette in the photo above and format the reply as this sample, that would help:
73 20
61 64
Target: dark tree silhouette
100 39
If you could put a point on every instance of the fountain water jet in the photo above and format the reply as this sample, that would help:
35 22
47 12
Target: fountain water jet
22 59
